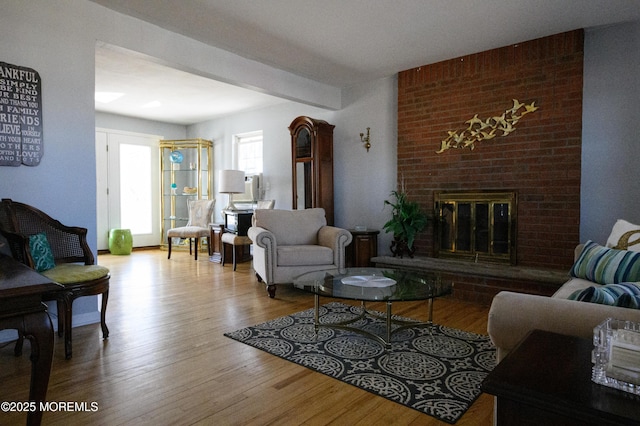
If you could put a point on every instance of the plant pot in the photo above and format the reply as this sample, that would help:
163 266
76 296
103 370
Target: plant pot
399 248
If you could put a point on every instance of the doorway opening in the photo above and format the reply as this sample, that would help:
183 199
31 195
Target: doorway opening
127 168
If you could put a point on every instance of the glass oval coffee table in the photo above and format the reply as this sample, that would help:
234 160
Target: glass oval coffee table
374 285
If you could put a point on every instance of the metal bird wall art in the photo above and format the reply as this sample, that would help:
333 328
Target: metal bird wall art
479 130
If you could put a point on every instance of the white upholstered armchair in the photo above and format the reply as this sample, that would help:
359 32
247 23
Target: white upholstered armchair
288 243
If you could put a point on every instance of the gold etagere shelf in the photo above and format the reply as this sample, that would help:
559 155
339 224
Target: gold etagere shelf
185 168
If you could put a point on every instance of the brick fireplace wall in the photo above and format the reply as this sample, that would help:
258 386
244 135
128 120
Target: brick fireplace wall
540 159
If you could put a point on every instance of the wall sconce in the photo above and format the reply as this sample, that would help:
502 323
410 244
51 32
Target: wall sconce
365 140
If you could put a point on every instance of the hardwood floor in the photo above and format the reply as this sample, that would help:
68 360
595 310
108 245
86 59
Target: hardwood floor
167 362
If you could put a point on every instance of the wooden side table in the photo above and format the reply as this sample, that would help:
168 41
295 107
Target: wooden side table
215 239
242 252
236 222
363 247
546 380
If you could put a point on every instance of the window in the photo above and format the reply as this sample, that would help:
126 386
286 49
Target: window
247 149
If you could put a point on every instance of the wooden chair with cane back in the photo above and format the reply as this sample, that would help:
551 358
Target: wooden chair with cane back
60 253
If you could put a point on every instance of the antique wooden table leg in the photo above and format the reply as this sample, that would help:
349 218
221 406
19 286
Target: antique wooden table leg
36 326
21 308
39 330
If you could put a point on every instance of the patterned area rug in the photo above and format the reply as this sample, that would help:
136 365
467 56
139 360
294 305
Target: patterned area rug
436 370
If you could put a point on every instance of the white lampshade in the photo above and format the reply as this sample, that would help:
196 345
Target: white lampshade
231 182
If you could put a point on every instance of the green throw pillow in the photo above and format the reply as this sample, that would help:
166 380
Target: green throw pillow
604 265
41 252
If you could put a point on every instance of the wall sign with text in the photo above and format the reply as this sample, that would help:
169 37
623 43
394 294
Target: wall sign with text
20 116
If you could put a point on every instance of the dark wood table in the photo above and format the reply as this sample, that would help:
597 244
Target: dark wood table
237 222
362 248
546 380
21 308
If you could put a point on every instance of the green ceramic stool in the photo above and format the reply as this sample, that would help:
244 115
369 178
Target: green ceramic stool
120 241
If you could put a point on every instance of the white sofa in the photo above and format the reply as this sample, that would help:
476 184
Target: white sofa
288 243
513 315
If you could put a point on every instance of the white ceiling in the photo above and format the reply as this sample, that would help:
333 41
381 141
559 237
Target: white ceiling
156 92
338 42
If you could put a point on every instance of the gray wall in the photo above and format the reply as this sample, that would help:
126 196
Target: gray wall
610 130
53 39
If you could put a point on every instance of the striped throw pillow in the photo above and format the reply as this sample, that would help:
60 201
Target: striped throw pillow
604 265
625 295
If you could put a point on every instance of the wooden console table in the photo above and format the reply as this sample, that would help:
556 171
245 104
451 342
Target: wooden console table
546 380
21 308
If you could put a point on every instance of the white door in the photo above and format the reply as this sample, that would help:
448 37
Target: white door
128 187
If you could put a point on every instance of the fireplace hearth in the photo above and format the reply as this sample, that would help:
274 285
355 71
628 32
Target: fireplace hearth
477 226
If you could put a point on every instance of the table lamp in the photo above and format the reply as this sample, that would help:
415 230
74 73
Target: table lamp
231 182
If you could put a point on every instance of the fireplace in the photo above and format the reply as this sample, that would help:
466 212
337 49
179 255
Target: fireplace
476 226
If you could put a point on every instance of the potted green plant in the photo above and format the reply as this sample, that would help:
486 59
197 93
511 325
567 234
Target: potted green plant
407 220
